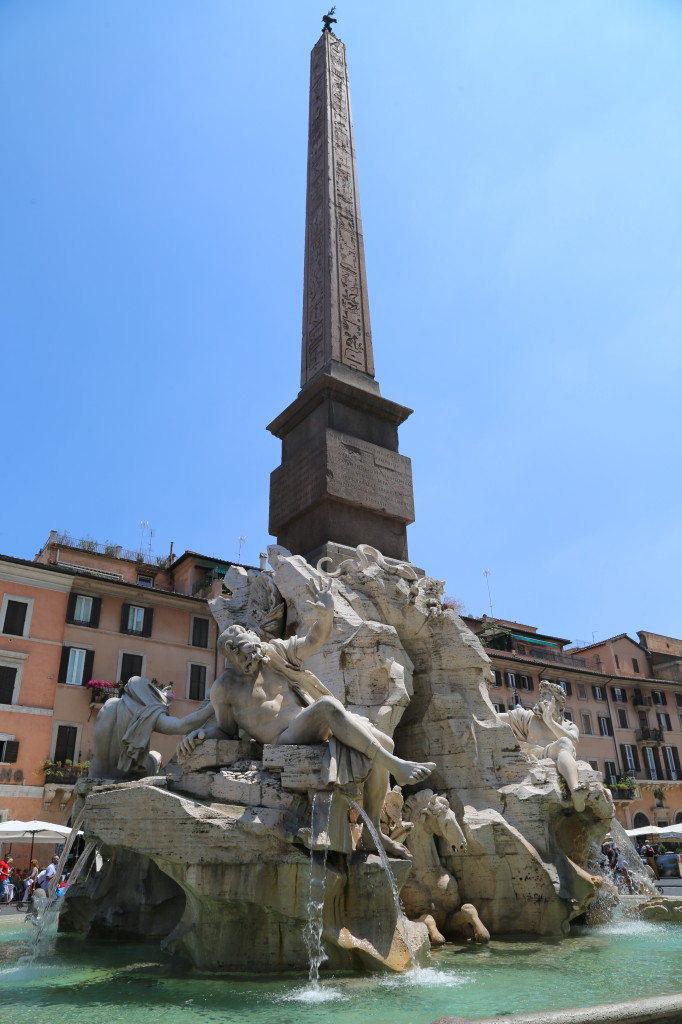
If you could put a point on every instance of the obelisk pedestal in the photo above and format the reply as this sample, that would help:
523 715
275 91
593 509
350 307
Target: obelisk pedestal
342 481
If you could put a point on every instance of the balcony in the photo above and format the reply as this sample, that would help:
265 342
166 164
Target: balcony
640 701
624 792
648 735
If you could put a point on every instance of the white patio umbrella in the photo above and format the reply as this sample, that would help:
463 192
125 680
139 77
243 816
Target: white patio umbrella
36 831
645 830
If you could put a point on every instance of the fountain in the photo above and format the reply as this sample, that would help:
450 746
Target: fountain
241 855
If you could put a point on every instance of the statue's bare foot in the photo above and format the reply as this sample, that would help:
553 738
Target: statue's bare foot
392 848
407 773
395 849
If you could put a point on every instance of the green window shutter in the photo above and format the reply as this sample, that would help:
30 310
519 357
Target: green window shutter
11 751
87 668
148 619
71 607
96 609
63 665
125 611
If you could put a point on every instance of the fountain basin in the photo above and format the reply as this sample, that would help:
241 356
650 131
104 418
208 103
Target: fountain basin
94 983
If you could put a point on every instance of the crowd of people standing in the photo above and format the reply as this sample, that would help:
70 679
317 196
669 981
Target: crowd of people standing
19 886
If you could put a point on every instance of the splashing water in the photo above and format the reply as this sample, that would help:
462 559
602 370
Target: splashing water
401 919
43 916
632 859
318 872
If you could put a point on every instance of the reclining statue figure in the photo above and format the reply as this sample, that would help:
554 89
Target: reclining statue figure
268 694
544 732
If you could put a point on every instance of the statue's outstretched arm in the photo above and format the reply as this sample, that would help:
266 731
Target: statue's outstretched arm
316 637
170 726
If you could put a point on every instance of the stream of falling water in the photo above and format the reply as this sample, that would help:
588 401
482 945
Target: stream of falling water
319 824
401 920
43 916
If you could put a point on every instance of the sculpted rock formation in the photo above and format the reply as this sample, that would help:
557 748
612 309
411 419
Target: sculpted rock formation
234 827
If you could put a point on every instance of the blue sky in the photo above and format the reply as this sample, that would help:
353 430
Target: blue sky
519 170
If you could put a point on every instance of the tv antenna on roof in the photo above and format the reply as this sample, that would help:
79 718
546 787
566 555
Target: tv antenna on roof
242 540
486 573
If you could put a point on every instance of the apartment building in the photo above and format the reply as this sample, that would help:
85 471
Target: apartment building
75 624
624 695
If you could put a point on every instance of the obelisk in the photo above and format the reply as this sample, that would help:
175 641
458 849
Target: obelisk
342 481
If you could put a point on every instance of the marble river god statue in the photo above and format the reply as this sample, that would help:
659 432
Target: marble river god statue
266 693
543 731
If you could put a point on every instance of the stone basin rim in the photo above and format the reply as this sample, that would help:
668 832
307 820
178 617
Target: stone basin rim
665 1009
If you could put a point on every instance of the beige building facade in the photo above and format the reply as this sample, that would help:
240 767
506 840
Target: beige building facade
624 695
76 624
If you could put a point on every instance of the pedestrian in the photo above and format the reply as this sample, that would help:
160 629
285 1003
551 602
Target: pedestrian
5 868
50 872
650 858
30 876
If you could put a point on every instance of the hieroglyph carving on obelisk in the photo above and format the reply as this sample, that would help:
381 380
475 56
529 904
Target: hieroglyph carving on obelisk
336 326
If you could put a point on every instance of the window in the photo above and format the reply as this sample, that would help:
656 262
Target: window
678 698
619 694
635 665
594 765
582 692
525 683
9 750
75 666
145 581
200 636
617 660
566 687
652 763
672 763
520 649
663 720
640 820
8 679
611 772
511 680
659 697
499 708
15 615
623 718
65 743
629 757
598 693
586 720
568 714
605 726
136 621
83 610
131 665
197 682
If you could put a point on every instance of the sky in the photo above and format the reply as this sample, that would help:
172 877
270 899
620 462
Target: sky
519 165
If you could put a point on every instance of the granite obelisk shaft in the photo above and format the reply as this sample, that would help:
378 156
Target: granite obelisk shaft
336 325
342 481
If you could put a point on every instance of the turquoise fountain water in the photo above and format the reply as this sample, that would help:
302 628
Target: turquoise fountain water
80 982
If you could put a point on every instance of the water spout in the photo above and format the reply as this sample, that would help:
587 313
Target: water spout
401 919
319 825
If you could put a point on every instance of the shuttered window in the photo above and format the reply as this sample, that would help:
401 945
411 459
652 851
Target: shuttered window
136 621
197 682
8 678
9 751
83 610
15 618
199 632
65 744
75 666
131 665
